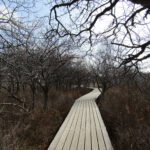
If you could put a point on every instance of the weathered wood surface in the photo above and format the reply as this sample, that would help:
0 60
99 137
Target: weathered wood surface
83 128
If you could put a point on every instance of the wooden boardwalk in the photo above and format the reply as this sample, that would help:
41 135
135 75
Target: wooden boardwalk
83 128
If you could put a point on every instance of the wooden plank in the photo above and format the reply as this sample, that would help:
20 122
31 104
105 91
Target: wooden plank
78 130
103 129
62 128
81 140
71 133
66 131
83 128
88 128
101 142
93 128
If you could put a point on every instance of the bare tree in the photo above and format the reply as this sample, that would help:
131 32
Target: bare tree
125 23
105 72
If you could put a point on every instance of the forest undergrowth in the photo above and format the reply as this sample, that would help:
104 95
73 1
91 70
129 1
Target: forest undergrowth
126 113
35 130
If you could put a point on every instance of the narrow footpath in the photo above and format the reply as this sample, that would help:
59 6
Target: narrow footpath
83 128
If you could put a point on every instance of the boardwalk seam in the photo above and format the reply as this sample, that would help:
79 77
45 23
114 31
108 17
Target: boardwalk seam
90 125
76 124
101 127
68 130
80 126
85 126
67 118
78 108
95 126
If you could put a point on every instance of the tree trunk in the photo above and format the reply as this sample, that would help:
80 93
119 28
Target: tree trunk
98 100
18 87
33 98
45 99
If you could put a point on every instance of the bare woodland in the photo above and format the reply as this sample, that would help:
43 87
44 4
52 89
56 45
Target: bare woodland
35 62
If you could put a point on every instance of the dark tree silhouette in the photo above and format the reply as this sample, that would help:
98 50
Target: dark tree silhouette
81 19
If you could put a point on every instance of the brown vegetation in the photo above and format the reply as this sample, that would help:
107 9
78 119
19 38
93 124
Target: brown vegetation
126 112
35 130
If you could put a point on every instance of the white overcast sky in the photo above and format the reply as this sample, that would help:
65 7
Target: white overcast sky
42 9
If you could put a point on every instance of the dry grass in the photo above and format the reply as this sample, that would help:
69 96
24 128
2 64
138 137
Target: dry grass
126 113
36 130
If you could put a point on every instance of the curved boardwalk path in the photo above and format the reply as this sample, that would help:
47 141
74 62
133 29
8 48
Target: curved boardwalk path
83 128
